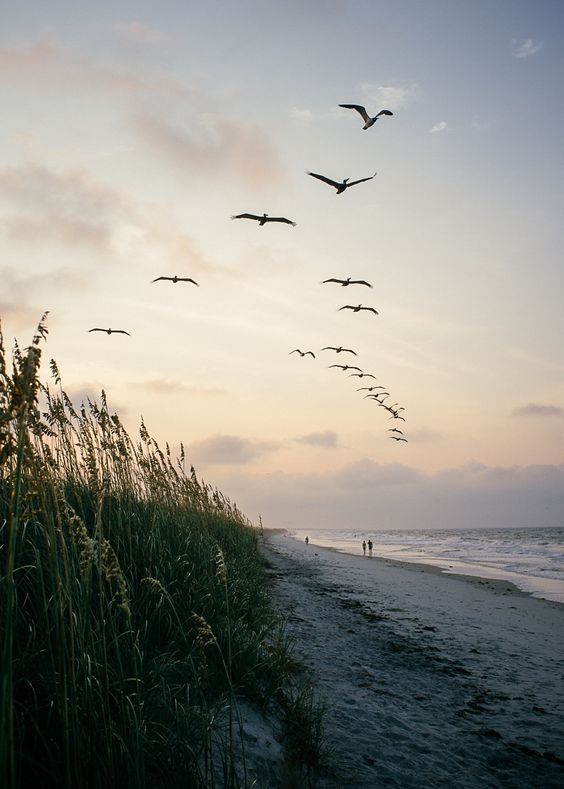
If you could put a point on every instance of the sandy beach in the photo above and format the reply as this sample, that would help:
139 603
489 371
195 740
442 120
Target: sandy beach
430 679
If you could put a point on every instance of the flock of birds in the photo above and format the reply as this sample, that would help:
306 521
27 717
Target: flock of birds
376 393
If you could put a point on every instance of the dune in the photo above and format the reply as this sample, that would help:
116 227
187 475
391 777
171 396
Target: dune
430 679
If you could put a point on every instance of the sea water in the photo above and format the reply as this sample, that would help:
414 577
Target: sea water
531 558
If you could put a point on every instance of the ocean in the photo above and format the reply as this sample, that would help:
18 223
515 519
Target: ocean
530 558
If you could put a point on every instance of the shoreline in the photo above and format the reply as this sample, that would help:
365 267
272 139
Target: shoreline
482 573
430 678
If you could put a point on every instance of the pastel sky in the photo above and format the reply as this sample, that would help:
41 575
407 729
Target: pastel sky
132 131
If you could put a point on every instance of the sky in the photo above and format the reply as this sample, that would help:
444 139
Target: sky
132 131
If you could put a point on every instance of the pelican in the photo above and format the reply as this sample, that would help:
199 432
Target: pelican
340 187
264 219
398 438
368 121
396 415
347 281
345 367
358 309
111 331
176 279
395 430
302 353
376 396
340 349
369 388
362 375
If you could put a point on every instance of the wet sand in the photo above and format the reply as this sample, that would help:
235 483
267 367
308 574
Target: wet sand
430 679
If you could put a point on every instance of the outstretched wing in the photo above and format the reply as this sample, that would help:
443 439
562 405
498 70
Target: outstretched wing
89 330
384 112
296 350
246 216
120 331
361 180
185 279
310 352
360 282
349 350
370 309
341 366
347 307
329 348
332 279
325 179
359 108
158 278
280 219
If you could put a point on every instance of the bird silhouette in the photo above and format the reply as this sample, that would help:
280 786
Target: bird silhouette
376 396
398 438
369 388
343 185
395 430
362 375
262 220
339 349
368 121
358 308
112 331
176 279
345 367
302 353
347 281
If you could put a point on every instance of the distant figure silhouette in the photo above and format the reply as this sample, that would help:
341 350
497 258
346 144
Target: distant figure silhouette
369 547
264 219
112 331
307 540
368 121
364 547
343 185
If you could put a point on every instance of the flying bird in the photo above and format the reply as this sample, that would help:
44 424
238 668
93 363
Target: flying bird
302 353
111 331
345 367
348 281
340 187
368 121
264 219
358 308
339 349
176 279
369 388
376 396
395 430
362 375
398 438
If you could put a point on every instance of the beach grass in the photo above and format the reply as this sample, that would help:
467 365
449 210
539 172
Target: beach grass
135 607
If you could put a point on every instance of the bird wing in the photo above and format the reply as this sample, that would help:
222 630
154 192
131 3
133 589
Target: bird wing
158 278
280 219
296 350
352 367
360 282
185 279
246 216
329 348
332 279
369 375
349 350
347 307
311 352
324 178
359 108
384 112
120 331
370 309
362 180
342 366
89 330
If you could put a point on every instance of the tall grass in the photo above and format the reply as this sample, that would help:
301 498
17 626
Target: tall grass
133 601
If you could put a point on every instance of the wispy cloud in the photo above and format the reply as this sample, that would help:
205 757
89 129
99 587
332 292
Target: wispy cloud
441 126
525 48
221 145
327 438
394 96
229 450
166 386
139 33
536 409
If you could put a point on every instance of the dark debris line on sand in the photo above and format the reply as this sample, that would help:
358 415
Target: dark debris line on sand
415 701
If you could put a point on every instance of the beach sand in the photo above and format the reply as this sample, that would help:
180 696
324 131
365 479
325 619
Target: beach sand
430 679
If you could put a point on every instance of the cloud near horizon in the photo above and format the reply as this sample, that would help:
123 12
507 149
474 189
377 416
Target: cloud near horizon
327 438
229 450
536 409
439 127
170 386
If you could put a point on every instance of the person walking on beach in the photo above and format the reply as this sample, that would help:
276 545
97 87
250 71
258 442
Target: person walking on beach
307 540
364 547
370 547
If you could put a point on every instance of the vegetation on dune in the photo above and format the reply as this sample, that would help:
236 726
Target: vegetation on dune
134 602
